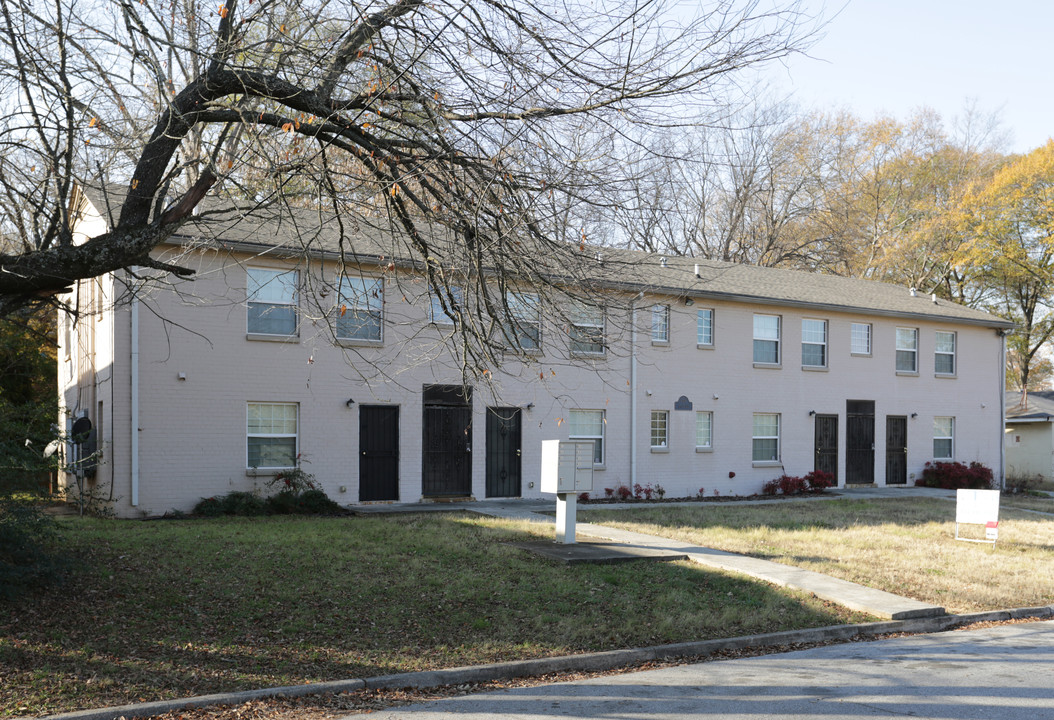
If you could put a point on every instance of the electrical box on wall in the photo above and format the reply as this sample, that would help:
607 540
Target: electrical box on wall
567 466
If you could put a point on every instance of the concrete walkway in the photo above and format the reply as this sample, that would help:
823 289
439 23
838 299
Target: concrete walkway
992 673
851 595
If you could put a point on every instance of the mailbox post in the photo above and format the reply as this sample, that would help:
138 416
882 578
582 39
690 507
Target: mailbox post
567 469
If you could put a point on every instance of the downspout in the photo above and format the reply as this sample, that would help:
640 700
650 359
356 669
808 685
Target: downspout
135 396
1002 411
633 390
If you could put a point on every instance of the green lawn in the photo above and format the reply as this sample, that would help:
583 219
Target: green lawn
175 608
904 546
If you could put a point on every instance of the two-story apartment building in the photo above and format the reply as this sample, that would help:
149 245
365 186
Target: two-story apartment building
692 375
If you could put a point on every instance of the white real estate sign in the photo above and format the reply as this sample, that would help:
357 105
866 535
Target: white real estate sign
978 507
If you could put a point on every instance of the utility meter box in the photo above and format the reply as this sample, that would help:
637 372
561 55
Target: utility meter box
567 467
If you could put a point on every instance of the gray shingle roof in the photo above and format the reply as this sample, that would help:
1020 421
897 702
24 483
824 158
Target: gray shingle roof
290 231
1036 405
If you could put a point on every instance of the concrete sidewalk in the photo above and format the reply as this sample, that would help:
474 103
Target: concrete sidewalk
851 595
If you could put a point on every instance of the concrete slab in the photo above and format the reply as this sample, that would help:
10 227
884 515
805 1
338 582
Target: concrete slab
598 553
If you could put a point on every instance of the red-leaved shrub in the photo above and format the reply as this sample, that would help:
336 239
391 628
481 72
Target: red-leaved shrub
955 476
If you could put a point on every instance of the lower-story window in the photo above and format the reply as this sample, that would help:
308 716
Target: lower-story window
704 430
943 438
660 428
766 437
589 425
272 437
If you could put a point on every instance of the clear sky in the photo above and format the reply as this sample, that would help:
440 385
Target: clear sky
892 56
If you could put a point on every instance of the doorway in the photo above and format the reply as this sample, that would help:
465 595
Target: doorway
503 452
859 442
447 453
378 452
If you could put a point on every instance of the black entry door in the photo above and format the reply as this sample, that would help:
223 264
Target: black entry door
860 441
503 452
378 452
826 445
447 457
896 450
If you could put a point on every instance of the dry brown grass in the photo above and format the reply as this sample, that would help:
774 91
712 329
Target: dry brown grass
904 546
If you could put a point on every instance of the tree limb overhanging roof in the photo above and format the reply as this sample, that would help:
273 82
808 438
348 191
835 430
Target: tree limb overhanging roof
283 231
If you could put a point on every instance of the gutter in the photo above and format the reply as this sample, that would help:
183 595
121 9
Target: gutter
1002 411
134 359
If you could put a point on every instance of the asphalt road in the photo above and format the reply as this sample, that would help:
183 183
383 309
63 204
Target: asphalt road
999 673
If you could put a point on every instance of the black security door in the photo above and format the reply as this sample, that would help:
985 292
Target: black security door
503 452
447 458
378 452
826 445
859 441
896 450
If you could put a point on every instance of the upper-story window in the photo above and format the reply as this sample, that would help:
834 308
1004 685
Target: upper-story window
273 301
907 350
660 323
704 327
525 314
767 339
360 309
860 339
453 297
814 343
944 356
587 330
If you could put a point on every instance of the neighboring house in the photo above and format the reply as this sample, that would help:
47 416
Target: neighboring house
727 377
1030 434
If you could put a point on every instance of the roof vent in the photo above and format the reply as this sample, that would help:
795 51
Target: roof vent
599 259
662 261
913 293
697 269
933 297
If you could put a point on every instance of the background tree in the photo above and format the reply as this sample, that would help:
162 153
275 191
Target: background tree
1011 222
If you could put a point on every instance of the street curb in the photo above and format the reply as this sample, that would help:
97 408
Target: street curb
544 666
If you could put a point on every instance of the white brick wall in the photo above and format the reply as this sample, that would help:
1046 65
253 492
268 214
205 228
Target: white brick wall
192 431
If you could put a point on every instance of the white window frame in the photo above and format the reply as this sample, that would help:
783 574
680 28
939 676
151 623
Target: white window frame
660 430
282 277
360 296
587 330
939 353
577 419
944 433
904 351
704 328
284 435
704 431
860 333
436 314
525 314
764 335
660 324
756 438
808 338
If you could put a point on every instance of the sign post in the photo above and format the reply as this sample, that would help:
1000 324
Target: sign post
978 507
567 469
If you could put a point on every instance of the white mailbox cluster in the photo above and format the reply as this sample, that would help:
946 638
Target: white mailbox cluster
567 467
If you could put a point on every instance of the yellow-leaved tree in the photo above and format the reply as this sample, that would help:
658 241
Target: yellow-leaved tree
1010 224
